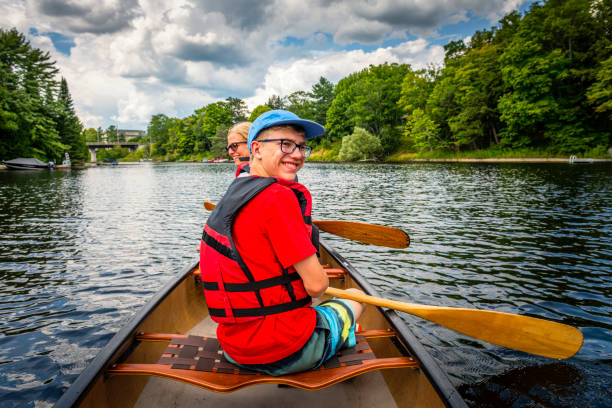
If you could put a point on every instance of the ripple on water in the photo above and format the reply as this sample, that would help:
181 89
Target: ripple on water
82 251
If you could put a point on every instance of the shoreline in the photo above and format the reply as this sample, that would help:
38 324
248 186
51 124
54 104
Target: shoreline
491 160
509 160
488 160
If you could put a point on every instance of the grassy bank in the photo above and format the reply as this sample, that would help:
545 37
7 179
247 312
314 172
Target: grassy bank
330 154
327 153
486 154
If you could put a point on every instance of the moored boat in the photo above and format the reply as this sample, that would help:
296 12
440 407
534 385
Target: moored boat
139 368
27 164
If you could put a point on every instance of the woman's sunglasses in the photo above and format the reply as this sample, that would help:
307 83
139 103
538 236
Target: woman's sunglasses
233 146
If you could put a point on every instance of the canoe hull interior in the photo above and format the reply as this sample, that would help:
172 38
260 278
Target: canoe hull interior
180 308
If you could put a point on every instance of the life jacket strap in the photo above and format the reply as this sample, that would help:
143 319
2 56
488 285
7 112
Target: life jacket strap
253 286
216 245
264 310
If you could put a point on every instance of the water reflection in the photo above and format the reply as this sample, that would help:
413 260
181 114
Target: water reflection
81 251
526 239
549 385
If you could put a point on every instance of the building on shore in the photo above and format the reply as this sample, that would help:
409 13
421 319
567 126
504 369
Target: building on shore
127 134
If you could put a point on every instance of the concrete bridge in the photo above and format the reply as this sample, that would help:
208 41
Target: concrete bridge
94 146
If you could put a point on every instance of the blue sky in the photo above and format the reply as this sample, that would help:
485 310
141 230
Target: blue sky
126 60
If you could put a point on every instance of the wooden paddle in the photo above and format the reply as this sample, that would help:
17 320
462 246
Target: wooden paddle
528 334
358 231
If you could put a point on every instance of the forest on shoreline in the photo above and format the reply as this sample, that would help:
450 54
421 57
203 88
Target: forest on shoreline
534 85
37 116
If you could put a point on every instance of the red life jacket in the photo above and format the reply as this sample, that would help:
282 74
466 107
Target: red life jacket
243 168
231 302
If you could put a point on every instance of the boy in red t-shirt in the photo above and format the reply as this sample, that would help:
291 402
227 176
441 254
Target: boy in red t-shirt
273 329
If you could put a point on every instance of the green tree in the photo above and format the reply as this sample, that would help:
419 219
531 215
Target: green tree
158 131
168 146
340 122
548 68
415 90
454 49
477 78
111 134
375 103
238 109
90 135
259 109
277 102
213 116
322 95
299 103
115 153
369 99
69 127
185 134
442 104
422 133
359 145
218 146
599 93
27 100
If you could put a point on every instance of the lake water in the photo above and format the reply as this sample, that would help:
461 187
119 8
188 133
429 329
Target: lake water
81 251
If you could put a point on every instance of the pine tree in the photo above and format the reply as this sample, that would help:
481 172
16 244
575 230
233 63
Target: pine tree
69 127
37 117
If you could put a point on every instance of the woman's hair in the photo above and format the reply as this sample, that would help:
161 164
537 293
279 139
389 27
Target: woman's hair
242 128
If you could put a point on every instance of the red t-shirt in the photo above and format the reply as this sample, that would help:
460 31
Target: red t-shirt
269 232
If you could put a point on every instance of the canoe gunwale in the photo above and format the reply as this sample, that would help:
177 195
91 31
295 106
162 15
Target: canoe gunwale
116 346
120 342
438 379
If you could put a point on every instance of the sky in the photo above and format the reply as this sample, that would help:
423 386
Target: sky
126 60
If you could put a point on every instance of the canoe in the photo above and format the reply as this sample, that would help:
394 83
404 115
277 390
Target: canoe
134 368
27 164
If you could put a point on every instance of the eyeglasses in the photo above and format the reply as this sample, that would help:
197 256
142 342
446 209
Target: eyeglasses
288 146
233 146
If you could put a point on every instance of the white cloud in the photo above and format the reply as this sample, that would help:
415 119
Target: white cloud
135 58
286 78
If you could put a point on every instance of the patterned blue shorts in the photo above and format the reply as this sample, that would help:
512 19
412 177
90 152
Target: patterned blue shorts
335 330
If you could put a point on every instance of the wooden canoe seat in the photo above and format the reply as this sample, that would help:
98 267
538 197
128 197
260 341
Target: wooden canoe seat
199 361
332 273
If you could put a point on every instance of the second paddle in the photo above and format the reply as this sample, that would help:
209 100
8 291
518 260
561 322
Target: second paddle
374 234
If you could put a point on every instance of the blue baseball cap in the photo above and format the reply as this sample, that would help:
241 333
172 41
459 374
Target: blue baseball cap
283 117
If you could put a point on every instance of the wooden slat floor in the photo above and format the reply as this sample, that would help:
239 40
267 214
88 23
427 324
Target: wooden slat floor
367 390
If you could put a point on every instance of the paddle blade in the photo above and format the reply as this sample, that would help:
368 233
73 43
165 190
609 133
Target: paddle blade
358 231
524 333
367 233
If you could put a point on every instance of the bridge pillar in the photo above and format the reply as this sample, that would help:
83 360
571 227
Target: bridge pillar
92 154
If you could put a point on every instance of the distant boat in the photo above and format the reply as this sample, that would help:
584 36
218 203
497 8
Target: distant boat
27 164
221 160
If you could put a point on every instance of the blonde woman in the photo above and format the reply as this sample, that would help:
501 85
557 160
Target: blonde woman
237 146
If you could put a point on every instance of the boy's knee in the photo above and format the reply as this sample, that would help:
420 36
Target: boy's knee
357 306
